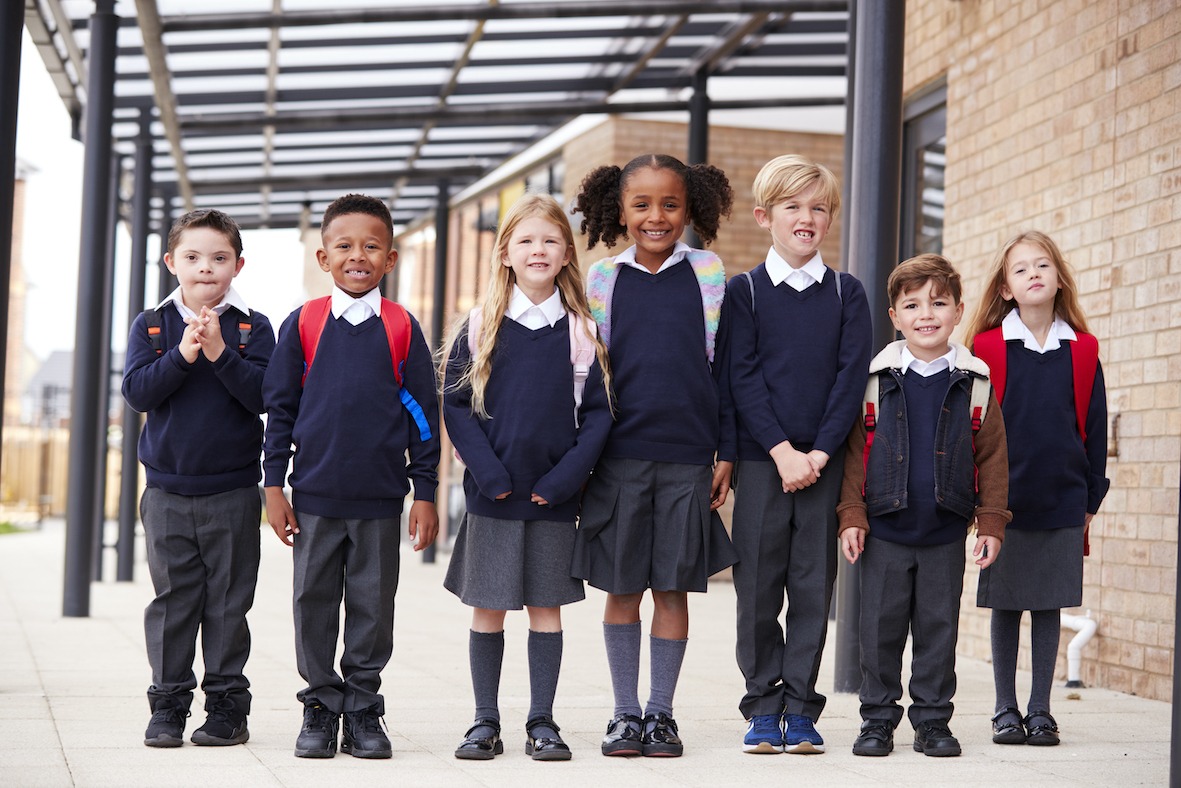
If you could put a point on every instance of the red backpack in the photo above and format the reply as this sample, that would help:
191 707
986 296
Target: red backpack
313 316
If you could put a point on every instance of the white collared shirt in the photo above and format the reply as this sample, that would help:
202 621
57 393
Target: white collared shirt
798 279
341 301
926 368
230 299
628 257
534 316
1013 328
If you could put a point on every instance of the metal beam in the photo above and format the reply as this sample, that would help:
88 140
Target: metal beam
11 27
153 37
345 181
42 31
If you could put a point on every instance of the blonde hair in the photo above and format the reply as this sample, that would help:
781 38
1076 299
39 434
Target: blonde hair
791 175
993 307
569 282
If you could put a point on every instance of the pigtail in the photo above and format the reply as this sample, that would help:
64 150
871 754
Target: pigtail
710 199
598 201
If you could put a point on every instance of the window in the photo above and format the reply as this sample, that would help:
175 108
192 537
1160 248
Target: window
924 150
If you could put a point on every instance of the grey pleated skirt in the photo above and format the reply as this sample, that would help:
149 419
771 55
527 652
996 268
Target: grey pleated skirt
508 564
1036 570
648 525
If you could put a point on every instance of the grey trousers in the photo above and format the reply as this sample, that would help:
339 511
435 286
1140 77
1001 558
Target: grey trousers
917 588
787 545
356 560
203 553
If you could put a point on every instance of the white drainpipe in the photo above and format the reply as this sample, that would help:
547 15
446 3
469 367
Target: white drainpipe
1085 626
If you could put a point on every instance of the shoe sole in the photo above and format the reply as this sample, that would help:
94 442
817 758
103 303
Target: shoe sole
163 742
662 751
367 754
469 754
803 748
1009 739
937 753
622 749
873 752
763 748
1042 741
327 753
205 740
548 755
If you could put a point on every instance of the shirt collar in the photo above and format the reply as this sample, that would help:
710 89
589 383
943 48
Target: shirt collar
679 253
551 308
779 269
1012 327
926 368
230 299
342 301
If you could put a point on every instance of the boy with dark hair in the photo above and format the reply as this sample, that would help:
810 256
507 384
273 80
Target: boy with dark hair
800 344
195 365
936 462
350 473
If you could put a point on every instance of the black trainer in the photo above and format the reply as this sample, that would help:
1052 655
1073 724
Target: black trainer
167 726
876 739
362 736
317 738
933 737
225 722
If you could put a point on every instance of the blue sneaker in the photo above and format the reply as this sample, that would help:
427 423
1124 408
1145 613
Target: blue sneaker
764 735
800 736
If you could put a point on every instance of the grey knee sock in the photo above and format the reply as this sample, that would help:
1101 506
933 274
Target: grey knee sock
1006 634
1045 631
486 655
667 656
623 658
545 663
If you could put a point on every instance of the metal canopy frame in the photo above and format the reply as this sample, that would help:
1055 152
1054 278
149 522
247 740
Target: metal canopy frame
273 107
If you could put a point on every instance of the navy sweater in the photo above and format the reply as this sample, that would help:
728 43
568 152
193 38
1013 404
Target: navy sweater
203 434
798 362
350 431
530 443
1054 480
668 407
921 522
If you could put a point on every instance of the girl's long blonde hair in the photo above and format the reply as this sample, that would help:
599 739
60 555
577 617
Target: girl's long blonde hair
571 287
993 307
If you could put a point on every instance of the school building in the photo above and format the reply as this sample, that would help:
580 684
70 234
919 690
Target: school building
1057 115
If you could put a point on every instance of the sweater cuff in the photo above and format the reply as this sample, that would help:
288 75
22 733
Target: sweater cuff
991 522
852 515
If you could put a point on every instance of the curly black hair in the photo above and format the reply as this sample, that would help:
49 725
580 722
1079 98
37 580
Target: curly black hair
357 203
600 197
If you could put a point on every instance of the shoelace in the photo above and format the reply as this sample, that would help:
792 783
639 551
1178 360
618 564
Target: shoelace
221 709
322 719
766 723
371 722
169 714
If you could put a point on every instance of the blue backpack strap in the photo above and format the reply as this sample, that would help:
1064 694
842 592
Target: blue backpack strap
396 321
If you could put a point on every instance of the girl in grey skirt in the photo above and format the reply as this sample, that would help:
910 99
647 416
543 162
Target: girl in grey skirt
526 402
1046 374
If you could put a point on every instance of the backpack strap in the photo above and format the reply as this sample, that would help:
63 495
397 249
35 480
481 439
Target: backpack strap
989 347
396 321
245 326
869 415
582 355
600 287
313 315
153 320
839 277
1084 361
711 280
750 282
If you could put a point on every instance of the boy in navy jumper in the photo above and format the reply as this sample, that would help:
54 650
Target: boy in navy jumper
934 467
800 348
349 478
195 365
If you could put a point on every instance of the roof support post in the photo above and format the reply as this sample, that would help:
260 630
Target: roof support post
103 392
88 373
874 181
141 220
12 23
439 300
698 131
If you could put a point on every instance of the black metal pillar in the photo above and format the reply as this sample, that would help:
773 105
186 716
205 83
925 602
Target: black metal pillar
439 303
698 133
12 22
141 220
166 283
88 372
874 183
101 442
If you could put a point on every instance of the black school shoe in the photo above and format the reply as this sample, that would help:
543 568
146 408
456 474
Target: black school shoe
225 722
1043 729
545 748
876 738
317 738
933 737
1008 727
660 737
624 736
361 735
167 726
481 748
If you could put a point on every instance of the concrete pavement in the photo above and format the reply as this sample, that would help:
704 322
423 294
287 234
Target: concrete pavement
73 711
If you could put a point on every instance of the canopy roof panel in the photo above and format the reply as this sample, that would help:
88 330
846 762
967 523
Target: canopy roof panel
274 107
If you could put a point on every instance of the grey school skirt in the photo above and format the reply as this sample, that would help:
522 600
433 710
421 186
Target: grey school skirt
1036 570
508 564
648 525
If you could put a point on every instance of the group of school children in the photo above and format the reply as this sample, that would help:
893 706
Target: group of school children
601 421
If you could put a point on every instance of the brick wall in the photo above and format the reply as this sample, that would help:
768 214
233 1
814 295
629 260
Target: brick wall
1066 117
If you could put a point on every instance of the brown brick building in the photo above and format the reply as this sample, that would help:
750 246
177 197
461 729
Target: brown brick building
1057 115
